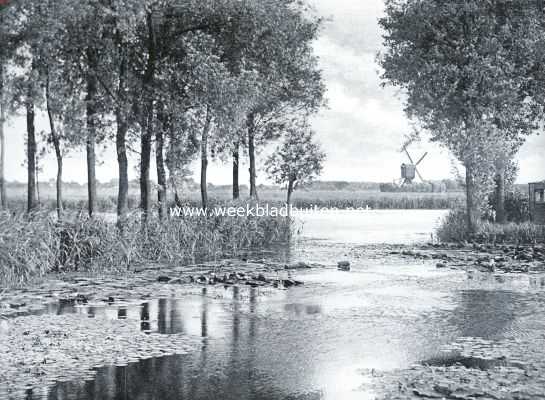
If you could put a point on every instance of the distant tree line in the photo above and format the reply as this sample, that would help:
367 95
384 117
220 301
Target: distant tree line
179 80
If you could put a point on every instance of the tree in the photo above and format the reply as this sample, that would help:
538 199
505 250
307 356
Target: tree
466 70
63 105
6 52
278 47
297 161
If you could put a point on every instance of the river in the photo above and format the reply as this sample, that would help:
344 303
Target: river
328 339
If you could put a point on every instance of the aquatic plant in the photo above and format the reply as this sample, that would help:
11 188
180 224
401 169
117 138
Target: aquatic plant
34 245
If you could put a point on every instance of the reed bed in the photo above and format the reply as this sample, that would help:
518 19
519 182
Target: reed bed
34 245
340 199
454 229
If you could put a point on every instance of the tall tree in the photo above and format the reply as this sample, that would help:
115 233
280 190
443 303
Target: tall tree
31 144
290 84
465 67
4 57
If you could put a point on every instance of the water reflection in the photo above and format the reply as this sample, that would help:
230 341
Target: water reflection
486 314
307 343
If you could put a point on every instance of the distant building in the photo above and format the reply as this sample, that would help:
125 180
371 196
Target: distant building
537 202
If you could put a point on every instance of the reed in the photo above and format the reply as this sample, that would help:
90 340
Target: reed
340 199
453 229
34 245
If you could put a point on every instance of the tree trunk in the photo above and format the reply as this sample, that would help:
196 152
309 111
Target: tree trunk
121 147
470 201
58 153
290 192
251 155
161 174
204 159
3 198
145 158
122 164
236 159
147 136
31 152
91 111
501 217
177 198
37 170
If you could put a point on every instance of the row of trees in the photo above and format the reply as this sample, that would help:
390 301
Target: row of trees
473 73
173 78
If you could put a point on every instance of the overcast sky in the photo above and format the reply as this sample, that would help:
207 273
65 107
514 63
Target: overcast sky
361 131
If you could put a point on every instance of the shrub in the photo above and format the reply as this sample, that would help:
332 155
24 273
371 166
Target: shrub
453 229
517 207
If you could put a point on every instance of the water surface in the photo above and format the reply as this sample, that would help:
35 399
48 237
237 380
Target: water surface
324 340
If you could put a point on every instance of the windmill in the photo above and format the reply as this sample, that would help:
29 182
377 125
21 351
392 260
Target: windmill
410 171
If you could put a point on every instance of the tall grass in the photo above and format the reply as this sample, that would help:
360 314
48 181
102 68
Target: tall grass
454 229
34 245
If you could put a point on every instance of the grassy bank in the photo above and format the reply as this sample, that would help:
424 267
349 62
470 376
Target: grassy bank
32 246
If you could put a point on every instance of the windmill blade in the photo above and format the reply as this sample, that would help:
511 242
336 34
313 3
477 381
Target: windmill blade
408 155
421 158
420 176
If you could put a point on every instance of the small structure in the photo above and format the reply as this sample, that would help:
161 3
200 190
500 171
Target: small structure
537 202
409 171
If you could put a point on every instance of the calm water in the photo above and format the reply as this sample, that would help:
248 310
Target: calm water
316 341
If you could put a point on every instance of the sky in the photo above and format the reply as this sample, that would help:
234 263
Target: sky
361 130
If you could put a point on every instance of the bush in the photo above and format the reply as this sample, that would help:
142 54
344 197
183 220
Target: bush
454 229
517 207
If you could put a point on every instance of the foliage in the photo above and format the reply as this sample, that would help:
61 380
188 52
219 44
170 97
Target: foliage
516 206
453 229
467 69
298 160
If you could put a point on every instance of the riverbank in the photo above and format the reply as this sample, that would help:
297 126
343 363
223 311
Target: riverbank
504 258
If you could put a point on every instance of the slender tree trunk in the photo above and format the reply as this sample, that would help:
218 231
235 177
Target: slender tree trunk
121 144
145 158
204 159
37 171
123 168
251 155
236 159
501 218
470 201
91 111
3 197
177 198
58 153
31 152
147 136
161 174
290 192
